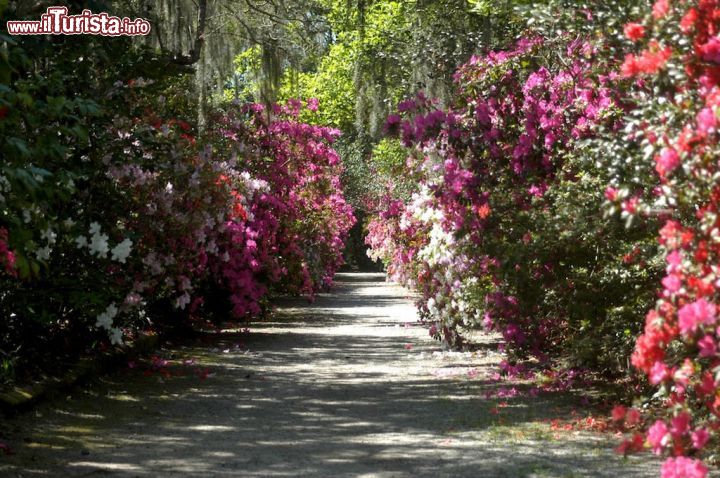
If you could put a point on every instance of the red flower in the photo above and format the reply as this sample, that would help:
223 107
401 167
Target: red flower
688 21
634 31
710 51
648 62
618 413
3 112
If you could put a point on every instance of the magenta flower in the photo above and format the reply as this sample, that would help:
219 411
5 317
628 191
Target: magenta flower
699 438
683 467
313 104
672 283
707 121
707 346
680 425
710 51
659 373
658 436
691 316
667 161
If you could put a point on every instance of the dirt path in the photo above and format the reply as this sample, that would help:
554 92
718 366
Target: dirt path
347 386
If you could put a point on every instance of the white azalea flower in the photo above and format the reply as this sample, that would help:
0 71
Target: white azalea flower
49 235
115 335
43 254
121 252
182 301
81 241
99 245
105 319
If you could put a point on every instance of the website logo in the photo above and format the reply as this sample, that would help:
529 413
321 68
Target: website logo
56 21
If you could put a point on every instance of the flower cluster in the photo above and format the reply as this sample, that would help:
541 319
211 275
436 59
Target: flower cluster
491 181
155 223
505 230
678 349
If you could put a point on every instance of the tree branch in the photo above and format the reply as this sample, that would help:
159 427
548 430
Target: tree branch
194 55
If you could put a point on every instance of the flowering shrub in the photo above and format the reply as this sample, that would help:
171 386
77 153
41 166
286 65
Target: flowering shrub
490 237
295 227
129 217
504 229
675 128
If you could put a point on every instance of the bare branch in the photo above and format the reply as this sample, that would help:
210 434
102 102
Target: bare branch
194 55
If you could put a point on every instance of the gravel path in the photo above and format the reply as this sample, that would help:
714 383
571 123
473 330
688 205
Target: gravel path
347 386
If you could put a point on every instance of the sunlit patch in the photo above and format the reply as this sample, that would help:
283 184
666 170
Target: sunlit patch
105 466
212 428
123 397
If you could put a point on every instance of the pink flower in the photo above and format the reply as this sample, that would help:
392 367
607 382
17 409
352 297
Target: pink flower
700 437
630 206
683 467
618 413
683 374
707 121
666 161
313 104
710 51
632 417
611 194
660 8
659 373
658 436
707 346
691 316
674 260
680 425
672 283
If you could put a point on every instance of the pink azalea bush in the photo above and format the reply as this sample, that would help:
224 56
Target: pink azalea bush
131 219
505 230
678 104
485 236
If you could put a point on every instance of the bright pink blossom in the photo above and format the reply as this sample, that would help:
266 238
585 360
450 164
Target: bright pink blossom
680 425
696 314
683 467
672 283
658 436
659 373
707 346
699 438
660 8
666 161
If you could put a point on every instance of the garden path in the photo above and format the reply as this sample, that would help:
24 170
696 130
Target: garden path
346 386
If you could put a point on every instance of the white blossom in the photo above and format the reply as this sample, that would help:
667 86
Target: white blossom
121 252
105 319
43 254
182 301
115 335
99 245
49 235
81 241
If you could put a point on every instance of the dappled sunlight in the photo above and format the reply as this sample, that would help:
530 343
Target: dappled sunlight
335 398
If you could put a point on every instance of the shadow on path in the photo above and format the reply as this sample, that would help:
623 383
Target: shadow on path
346 386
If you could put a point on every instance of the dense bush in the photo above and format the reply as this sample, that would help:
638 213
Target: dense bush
114 211
505 230
674 69
539 203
